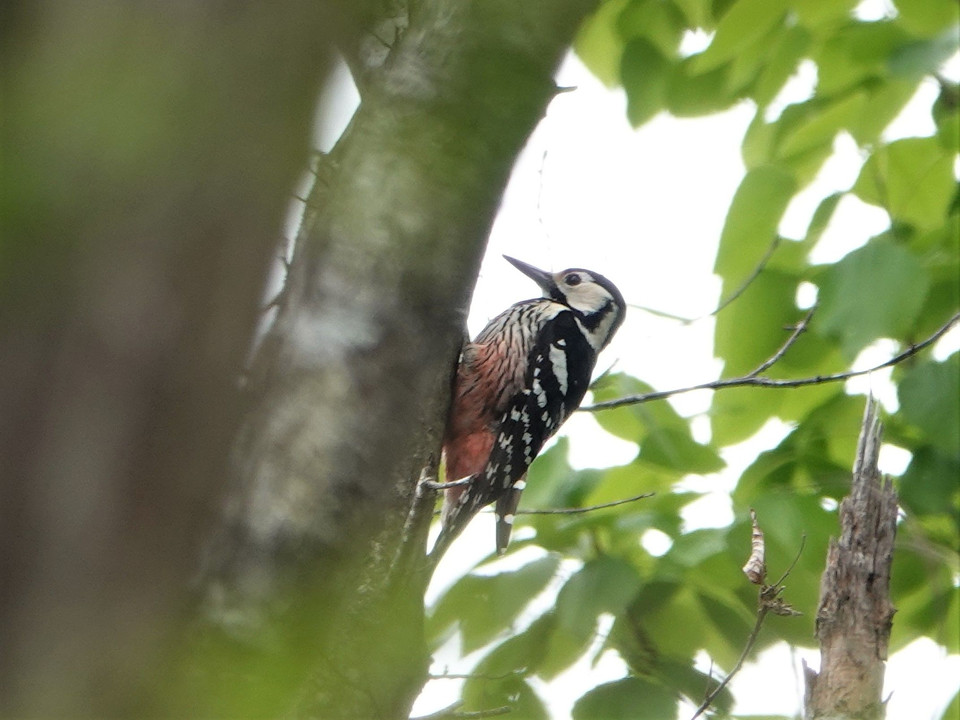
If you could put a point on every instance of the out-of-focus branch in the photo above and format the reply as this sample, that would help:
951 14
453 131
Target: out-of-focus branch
149 152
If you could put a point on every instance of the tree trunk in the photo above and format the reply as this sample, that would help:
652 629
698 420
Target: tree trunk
350 389
855 614
147 163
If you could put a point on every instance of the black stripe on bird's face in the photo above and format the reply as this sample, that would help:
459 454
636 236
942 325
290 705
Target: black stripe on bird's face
596 301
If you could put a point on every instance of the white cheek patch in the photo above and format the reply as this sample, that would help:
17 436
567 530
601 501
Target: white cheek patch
588 297
603 330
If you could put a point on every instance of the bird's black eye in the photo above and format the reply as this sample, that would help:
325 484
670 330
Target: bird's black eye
572 279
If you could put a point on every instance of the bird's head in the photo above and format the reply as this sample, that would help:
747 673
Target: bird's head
596 300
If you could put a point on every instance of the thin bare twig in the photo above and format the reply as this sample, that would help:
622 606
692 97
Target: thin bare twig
666 314
444 714
725 302
502 710
570 511
750 380
475 676
798 330
751 277
751 641
589 508
768 601
796 559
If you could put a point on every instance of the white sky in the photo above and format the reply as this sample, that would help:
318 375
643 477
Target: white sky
645 208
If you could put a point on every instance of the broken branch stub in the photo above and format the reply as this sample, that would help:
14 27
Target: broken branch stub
855 614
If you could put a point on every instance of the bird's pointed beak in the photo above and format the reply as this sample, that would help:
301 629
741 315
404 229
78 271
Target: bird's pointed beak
540 277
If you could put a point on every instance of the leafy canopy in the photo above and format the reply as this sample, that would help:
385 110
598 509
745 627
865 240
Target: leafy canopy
901 285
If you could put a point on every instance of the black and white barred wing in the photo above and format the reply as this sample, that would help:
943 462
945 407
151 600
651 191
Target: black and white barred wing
559 370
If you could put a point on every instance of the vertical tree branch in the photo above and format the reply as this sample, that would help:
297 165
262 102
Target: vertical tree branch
855 613
350 390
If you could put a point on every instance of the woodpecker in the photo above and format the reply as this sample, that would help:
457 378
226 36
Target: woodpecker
516 383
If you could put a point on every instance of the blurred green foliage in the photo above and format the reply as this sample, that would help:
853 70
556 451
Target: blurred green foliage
901 285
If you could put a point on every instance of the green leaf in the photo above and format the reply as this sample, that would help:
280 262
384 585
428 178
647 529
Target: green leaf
874 292
908 573
953 709
690 93
666 618
786 517
929 395
751 223
928 17
821 126
856 53
821 218
815 13
736 414
932 612
746 22
929 484
628 422
746 66
950 636
602 585
521 653
749 331
662 511
806 165
692 548
912 178
751 328
883 104
946 114
628 699
798 403
644 71
699 13
784 58
633 422
789 256
551 480
732 623
828 435
681 674
599 44
771 470
660 23
758 142
676 450
485 605
924 57
480 694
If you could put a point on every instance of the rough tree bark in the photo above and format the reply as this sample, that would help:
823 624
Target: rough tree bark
147 163
349 391
855 613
